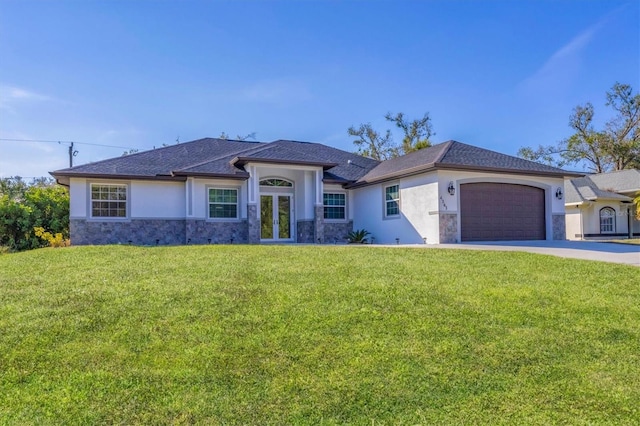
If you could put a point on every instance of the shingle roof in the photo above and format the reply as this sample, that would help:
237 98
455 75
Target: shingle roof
163 161
603 186
619 181
584 189
224 158
456 155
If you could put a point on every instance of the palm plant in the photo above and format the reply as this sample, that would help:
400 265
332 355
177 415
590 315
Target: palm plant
358 236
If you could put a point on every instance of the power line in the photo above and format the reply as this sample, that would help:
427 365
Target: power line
69 142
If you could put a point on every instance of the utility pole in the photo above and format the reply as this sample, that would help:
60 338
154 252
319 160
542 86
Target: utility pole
72 154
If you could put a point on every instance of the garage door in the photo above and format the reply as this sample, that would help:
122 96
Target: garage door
500 211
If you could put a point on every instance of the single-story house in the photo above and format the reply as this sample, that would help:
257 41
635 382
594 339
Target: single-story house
228 191
600 206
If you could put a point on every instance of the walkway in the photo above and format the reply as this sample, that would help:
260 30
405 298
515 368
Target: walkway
589 250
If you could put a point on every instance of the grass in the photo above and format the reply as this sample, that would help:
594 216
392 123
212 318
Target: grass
316 335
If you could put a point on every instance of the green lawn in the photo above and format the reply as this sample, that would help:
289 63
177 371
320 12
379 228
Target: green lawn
316 335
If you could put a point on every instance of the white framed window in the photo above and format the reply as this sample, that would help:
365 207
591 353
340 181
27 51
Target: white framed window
335 205
109 200
607 220
223 203
275 182
392 200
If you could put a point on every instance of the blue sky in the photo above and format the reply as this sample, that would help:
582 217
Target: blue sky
496 74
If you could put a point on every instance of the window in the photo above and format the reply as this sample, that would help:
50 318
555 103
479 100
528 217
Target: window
335 206
607 220
223 203
392 200
108 200
276 182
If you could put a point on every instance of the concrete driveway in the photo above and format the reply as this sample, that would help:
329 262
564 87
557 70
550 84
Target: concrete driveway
590 250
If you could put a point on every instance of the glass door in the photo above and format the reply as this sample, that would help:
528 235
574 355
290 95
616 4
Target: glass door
283 223
275 217
266 217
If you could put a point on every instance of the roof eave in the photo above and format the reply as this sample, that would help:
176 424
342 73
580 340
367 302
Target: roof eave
443 166
236 176
241 161
67 175
501 170
343 182
395 175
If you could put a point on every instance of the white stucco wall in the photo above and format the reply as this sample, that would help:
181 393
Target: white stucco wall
78 207
591 216
424 197
305 183
147 199
199 198
573 220
157 200
418 196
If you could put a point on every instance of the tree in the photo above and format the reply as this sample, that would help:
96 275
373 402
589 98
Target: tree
251 135
24 207
615 147
416 132
372 144
378 146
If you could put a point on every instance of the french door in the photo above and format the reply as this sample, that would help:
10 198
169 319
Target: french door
275 217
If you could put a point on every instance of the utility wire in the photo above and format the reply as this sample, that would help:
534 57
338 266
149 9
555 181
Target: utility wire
79 143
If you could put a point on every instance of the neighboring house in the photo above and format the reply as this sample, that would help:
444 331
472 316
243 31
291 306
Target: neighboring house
225 191
601 206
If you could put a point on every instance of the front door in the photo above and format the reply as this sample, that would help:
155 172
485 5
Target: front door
275 217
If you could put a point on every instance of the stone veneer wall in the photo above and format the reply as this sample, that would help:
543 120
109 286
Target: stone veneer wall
135 231
318 224
253 224
304 231
206 232
336 232
448 228
559 227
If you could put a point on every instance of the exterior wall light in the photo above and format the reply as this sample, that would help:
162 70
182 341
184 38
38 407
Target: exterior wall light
559 193
451 189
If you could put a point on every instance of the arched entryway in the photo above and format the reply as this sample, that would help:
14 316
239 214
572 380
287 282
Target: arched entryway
276 210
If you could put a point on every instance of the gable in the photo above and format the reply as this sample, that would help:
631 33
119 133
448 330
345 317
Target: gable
222 158
455 155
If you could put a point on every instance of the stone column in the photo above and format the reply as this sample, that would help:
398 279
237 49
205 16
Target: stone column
253 223
559 227
318 222
448 228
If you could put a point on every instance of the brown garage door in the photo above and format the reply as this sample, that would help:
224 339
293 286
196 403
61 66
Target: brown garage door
501 211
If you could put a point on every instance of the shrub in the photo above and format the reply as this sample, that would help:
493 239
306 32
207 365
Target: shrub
358 236
25 207
56 240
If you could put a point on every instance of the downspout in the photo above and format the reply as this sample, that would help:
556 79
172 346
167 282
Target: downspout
629 223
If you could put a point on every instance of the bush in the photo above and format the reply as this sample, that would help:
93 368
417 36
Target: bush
56 240
24 207
358 237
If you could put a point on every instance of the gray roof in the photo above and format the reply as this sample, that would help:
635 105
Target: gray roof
163 161
620 181
603 186
458 156
223 158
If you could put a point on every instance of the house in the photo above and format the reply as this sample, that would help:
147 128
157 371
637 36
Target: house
600 206
227 191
